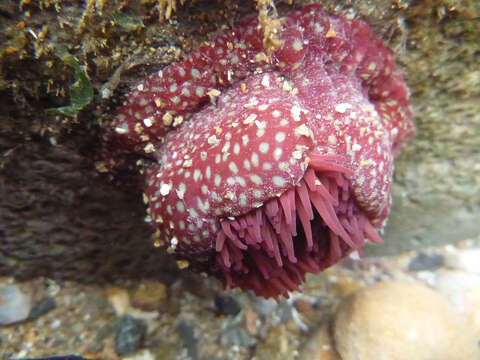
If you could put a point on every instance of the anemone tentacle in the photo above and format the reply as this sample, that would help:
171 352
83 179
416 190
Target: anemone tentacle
343 229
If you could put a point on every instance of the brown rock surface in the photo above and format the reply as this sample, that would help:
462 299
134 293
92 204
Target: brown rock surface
401 321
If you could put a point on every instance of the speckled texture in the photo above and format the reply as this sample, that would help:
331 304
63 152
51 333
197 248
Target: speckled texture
319 120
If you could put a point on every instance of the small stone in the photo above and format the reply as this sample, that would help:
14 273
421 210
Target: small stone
149 295
320 346
397 320
42 307
463 291
15 304
424 261
277 344
142 355
233 333
264 307
468 260
129 333
226 305
252 322
119 299
187 334
345 285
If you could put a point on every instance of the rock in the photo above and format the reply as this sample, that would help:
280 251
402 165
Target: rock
149 295
129 333
15 305
119 299
187 334
397 320
226 305
142 355
252 322
320 346
42 307
264 307
277 344
425 261
233 333
345 285
463 291
467 260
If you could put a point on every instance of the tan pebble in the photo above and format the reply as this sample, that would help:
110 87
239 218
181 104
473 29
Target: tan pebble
278 344
149 295
398 320
346 286
251 322
141 355
463 291
119 299
30 337
308 312
320 346
303 306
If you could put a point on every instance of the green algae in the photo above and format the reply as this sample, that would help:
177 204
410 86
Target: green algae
81 91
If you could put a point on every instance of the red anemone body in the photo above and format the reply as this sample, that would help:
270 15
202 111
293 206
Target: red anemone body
261 169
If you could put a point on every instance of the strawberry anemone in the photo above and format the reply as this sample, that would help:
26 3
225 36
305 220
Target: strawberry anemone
259 169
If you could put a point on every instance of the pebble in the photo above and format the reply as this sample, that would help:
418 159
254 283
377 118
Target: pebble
119 299
467 260
42 307
186 331
129 333
264 307
149 295
226 305
233 333
320 346
396 320
277 344
424 261
252 322
15 305
142 355
187 334
463 291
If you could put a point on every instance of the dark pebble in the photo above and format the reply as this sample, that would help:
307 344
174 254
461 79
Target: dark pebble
187 334
42 307
226 305
129 333
425 261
